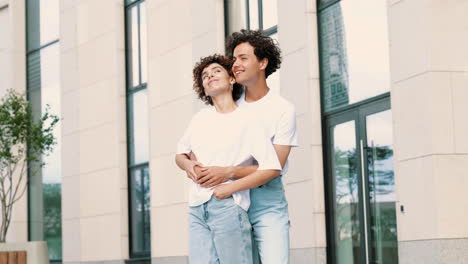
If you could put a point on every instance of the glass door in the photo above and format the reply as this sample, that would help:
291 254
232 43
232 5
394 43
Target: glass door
360 186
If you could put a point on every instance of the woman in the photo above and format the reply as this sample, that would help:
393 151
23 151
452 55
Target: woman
222 135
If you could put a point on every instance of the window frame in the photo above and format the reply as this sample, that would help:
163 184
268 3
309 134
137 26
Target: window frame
268 31
134 256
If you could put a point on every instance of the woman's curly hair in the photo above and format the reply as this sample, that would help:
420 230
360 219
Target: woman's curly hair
204 62
264 47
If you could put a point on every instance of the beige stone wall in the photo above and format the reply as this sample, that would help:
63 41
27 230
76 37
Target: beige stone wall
5 47
94 195
429 66
298 38
13 75
179 33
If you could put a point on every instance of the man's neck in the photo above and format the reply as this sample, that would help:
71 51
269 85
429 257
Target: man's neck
256 91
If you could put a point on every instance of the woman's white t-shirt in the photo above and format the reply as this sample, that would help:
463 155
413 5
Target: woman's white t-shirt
232 139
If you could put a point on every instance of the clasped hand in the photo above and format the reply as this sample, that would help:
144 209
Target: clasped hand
211 176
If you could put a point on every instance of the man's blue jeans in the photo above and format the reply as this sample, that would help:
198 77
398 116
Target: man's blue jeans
269 217
220 232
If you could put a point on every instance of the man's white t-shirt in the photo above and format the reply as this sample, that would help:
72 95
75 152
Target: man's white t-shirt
277 116
232 139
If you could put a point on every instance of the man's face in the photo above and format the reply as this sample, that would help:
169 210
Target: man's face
216 80
246 67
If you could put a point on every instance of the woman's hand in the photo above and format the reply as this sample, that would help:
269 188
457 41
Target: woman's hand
223 191
190 167
212 176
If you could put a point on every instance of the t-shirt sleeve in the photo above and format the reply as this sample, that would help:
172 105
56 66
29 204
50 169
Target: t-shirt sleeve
262 149
184 145
286 132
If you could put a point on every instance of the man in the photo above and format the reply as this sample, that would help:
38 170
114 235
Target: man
256 57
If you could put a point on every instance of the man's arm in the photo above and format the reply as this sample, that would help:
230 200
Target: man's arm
188 165
211 176
253 180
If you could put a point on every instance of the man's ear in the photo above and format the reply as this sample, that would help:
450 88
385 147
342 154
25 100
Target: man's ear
263 63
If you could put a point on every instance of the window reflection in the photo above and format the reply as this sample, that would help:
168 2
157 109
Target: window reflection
140 210
133 47
384 245
251 14
143 43
354 52
50 97
236 15
140 127
345 167
323 3
45 221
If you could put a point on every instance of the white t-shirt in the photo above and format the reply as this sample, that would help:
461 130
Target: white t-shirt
232 139
277 116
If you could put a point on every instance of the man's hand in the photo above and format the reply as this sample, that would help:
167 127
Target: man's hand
212 176
222 191
190 167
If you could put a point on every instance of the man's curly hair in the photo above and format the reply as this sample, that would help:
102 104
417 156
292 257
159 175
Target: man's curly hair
204 62
264 47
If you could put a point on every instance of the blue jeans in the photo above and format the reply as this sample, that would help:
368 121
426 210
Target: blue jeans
219 232
268 214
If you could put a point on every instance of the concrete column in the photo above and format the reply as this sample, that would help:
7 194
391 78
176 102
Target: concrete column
179 33
94 196
298 39
429 70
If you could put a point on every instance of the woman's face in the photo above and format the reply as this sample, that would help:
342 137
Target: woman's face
216 80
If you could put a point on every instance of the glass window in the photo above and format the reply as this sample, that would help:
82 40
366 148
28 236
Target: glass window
382 198
42 22
353 70
346 198
140 211
43 86
45 221
236 16
128 2
324 3
143 43
137 45
138 127
133 49
251 14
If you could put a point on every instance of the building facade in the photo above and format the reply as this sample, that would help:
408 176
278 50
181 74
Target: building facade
380 89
